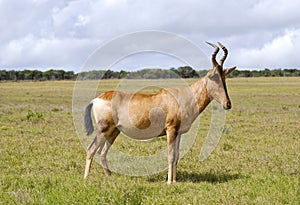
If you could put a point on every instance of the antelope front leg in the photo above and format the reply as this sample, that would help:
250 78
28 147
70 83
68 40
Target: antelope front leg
177 142
172 150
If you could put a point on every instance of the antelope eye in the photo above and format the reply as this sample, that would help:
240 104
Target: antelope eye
215 77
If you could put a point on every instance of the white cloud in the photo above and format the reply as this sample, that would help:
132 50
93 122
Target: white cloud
63 33
279 52
82 20
114 2
31 52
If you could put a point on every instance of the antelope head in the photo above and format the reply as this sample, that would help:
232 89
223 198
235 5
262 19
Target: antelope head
216 84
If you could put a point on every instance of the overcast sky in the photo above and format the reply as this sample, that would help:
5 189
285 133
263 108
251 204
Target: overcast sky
47 34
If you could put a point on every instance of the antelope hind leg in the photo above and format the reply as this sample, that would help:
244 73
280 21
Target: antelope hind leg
103 152
87 167
94 146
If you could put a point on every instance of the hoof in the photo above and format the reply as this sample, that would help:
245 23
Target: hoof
107 172
171 182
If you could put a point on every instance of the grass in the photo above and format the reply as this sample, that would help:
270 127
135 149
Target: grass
256 162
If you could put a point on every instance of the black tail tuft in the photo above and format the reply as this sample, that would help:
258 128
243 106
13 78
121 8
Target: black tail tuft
88 123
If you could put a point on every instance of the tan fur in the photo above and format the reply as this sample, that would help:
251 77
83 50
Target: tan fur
144 116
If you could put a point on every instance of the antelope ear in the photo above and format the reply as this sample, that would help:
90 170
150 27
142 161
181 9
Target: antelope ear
228 70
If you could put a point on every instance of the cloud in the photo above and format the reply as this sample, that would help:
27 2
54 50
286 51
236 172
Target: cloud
82 20
30 52
61 33
281 51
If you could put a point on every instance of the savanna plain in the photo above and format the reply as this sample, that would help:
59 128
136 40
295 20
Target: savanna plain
256 161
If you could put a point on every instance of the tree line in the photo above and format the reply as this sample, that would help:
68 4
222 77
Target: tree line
180 72
36 75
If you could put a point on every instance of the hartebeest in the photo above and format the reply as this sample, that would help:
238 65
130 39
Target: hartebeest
168 112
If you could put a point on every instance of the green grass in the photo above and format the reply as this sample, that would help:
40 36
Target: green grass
256 162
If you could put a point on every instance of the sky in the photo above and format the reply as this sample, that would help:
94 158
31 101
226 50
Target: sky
61 34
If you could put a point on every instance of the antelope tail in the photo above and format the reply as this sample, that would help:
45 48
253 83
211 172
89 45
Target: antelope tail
88 123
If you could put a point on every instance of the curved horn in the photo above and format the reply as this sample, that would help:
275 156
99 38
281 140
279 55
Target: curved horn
225 53
213 56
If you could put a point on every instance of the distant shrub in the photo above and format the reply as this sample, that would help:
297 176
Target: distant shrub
34 116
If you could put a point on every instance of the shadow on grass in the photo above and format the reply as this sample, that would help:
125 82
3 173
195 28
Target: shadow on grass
209 177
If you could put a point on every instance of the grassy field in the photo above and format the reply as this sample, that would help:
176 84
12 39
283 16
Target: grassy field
256 162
